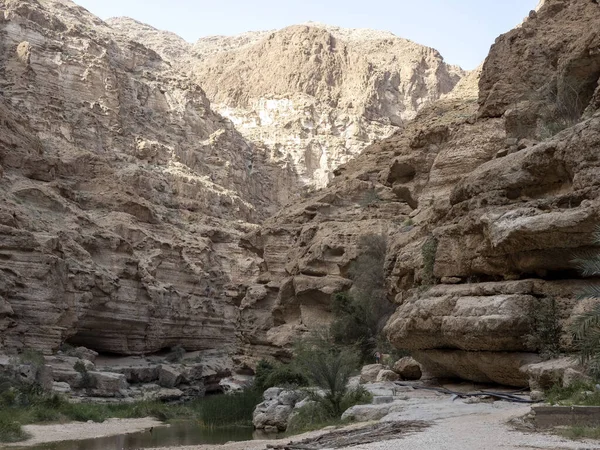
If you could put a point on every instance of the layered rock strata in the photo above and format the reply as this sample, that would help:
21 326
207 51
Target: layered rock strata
123 196
493 217
313 95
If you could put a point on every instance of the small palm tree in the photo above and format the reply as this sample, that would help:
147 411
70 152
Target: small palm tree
586 327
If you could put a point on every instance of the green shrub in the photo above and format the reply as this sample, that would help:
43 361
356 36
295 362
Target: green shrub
10 429
310 417
269 375
545 329
31 356
579 393
586 327
328 367
361 316
87 381
369 198
429 251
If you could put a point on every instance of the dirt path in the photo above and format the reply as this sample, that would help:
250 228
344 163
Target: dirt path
42 434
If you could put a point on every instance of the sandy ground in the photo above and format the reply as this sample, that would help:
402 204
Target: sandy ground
42 434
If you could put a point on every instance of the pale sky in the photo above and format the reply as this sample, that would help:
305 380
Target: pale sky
462 30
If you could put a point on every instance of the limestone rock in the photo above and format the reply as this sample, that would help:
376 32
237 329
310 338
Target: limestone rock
328 91
168 377
368 374
408 369
275 412
367 413
557 372
106 384
387 375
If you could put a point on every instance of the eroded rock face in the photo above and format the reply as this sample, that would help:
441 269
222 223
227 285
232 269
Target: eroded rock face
123 196
494 217
315 96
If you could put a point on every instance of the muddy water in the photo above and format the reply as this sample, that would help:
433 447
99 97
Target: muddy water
178 434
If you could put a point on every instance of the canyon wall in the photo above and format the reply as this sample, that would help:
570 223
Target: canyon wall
314 96
491 192
123 195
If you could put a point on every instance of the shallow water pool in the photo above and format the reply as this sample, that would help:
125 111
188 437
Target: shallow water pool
177 434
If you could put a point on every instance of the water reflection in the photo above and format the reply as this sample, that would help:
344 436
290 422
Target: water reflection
178 434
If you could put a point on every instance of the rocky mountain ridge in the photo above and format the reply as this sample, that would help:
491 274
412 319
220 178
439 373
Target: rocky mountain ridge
329 92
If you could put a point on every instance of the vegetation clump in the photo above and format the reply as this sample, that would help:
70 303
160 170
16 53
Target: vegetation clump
586 327
545 329
361 314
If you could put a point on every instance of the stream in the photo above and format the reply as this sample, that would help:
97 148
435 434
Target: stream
175 435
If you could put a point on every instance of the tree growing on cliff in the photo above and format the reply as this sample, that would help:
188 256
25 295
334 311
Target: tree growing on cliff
586 327
361 315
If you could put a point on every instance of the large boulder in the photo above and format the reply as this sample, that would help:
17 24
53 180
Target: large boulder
368 374
275 412
107 384
557 372
168 376
387 375
408 369
366 413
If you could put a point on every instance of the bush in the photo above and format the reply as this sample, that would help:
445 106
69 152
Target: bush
586 327
429 251
269 375
86 379
361 316
579 393
10 429
328 367
33 357
545 329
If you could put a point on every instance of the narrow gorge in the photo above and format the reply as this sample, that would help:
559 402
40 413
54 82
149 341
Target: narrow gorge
156 193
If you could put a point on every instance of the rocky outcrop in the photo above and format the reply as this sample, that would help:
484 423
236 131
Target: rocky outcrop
490 218
123 196
313 95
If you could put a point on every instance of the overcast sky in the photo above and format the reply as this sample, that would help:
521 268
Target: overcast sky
462 30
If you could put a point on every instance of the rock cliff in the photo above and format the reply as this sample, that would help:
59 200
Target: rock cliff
123 195
328 92
490 192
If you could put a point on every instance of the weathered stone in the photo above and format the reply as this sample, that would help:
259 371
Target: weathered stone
366 413
85 353
408 369
106 384
387 375
368 374
557 372
168 377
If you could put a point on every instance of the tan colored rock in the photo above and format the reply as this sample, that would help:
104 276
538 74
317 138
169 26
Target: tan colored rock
369 373
327 94
387 375
408 369
557 372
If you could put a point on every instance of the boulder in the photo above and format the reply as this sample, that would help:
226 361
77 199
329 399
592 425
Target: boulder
387 375
277 408
168 377
408 369
84 353
562 371
369 373
367 413
139 374
61 387
107 384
